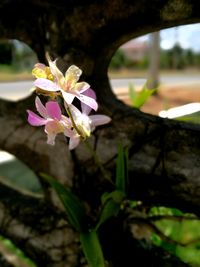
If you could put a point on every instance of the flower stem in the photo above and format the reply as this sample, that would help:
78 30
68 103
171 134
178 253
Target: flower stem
97 161
72 119
89 147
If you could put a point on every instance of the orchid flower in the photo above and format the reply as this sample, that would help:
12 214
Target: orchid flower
67 84
42 71
85 124
52 118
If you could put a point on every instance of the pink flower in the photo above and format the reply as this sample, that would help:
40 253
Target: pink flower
52 118
85 124
67 84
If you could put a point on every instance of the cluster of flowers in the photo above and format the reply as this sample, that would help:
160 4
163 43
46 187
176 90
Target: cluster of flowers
76 125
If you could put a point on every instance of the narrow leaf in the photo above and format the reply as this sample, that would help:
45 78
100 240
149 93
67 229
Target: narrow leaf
110 209
75 211
92 249
139 99
194 118
132 93
111 206
116 195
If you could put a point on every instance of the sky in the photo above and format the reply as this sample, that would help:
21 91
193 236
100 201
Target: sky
188 36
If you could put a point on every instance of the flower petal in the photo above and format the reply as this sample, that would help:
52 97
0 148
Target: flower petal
53 110
39 71
40 107
91 93
73 142
82 121
85 108
51 139
67 126
89 101
99 120
81 87
52 128
73 73
66 121
76 114
68 97
68 132
46 85
55 70
34 119
40 66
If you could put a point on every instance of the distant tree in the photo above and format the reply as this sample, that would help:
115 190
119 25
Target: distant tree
189 57
177 57
165 59
5 52
174 58
119 60
197 59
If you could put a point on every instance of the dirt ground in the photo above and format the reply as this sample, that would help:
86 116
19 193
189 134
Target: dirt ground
168 96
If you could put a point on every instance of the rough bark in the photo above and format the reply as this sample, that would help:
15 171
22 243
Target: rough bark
38 229
164 155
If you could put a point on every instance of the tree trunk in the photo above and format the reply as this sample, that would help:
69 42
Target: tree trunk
164 155
154 60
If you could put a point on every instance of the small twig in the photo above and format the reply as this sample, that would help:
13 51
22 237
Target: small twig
173 218
153 228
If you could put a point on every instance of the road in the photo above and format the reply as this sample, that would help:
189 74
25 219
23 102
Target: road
17 90
164 79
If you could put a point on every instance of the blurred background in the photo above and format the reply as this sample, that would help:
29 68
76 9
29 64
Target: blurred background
156 73
168 60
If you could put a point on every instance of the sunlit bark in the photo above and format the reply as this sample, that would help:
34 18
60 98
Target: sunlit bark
164 155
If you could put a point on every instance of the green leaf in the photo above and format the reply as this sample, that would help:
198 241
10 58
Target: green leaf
92 249
132 92
160 210
116 195
121 169
194 118
111 209
75 211
139 99
111 206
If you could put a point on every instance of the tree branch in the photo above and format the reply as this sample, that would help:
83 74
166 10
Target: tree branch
164 162
164 154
